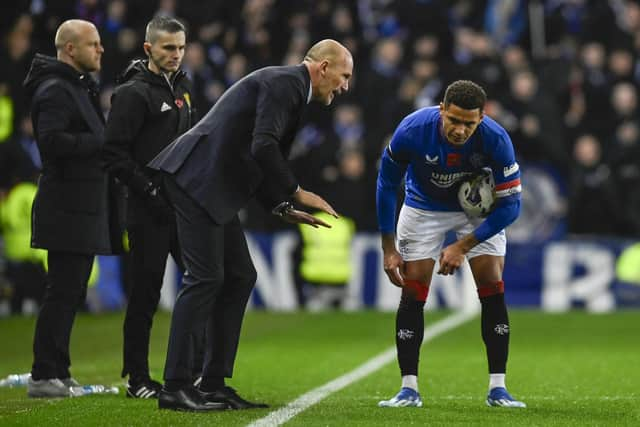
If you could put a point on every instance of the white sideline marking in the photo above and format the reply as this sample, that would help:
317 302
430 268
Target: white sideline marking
314 396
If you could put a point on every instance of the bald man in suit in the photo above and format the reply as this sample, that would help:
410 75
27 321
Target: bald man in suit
236 152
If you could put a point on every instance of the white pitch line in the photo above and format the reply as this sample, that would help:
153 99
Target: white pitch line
314 396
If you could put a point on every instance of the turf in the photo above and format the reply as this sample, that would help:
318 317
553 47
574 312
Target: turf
571 369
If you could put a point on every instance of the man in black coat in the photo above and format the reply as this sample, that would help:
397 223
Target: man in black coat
149 109
76 213
237 151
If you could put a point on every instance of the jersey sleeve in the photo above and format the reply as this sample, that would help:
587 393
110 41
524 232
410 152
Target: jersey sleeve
393 166
506 171
506 174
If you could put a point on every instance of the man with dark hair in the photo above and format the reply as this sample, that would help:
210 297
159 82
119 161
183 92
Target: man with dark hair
161 24
149 109
237 151
437 148
75 212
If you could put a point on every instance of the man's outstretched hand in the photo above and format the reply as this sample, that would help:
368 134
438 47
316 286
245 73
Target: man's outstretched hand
294 216
312 200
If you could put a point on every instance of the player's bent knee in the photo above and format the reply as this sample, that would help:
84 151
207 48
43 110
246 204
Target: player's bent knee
489 289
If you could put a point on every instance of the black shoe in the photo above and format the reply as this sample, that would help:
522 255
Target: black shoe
228 396
144 388
187 399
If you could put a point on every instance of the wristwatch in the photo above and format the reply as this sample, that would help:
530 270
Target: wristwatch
150 189
282 209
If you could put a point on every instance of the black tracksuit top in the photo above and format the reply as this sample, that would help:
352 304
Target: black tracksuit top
148 112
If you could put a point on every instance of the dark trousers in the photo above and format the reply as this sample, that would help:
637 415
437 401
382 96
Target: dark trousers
65 292
150 242
217 284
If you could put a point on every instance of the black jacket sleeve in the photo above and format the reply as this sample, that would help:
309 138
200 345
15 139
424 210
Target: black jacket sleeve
125 120
53 117
275 114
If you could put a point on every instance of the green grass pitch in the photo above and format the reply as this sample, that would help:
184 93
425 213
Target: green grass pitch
571 369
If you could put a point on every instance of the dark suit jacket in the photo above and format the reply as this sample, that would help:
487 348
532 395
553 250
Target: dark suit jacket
239 149
77 207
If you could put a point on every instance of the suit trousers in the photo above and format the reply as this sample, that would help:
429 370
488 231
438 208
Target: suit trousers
217 283
64 294
150 242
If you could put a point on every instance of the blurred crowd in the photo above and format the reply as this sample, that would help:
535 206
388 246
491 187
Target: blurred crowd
562 77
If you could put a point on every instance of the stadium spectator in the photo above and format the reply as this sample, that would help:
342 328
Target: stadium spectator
594 204
336 168
200 73
624 103
595 87
149 109
505 21
457 140
123 48
624 162
538 136
15 54
19 157
325 263
20 165
75 212
235 152
620 66
25 265
381 84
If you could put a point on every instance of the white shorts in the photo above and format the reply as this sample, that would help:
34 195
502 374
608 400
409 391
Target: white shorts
421 234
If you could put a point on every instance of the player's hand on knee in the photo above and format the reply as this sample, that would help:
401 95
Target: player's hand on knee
393 264
449 262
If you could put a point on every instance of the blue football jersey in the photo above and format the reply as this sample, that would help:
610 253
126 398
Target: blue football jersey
435 167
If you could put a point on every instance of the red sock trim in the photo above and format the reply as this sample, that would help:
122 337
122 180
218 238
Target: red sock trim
491 289
421 289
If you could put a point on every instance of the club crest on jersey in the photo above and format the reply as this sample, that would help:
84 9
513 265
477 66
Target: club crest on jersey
476 160
179 102
431 160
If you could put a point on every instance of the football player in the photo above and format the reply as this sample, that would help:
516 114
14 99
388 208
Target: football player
435 149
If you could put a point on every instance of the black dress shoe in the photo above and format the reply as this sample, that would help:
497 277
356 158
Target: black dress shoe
229 397
187 399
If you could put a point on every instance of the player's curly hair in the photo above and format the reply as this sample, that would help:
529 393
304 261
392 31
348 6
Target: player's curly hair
465 94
